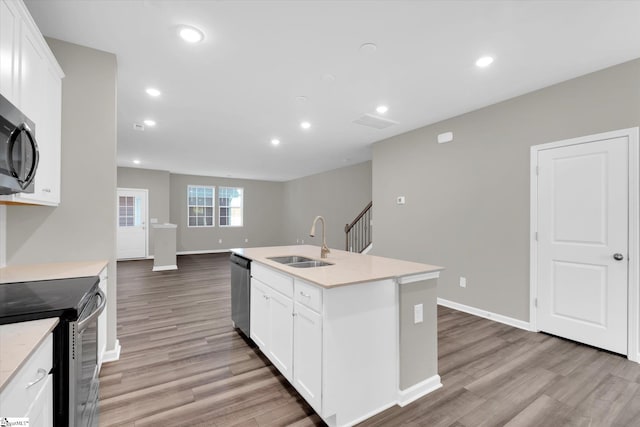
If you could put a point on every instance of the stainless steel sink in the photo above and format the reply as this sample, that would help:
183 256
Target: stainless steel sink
289 259
309 264
299 261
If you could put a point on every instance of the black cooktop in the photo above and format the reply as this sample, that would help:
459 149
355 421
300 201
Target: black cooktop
62 298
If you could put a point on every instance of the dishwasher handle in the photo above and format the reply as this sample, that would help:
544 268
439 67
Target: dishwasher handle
240 261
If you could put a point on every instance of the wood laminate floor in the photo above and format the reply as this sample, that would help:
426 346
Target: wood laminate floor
182 364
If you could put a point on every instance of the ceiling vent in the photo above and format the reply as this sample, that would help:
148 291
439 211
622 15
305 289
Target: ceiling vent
374 121
138 126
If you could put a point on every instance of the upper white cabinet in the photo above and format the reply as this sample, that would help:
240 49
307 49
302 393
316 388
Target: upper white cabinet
31 78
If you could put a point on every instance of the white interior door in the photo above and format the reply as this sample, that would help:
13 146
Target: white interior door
583 242
132 223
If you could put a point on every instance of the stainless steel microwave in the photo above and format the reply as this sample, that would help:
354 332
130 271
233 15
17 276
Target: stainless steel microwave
18 150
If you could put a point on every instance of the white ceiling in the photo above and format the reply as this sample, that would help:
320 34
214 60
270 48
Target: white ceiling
225 98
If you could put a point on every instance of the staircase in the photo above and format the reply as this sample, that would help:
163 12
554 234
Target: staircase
358 233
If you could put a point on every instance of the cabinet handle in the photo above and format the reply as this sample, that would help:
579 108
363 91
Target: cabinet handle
41 375
305 295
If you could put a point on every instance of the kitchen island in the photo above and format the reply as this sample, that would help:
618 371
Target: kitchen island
354 337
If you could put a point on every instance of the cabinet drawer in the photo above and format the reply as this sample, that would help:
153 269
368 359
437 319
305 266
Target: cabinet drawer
308 295
16 398
270 277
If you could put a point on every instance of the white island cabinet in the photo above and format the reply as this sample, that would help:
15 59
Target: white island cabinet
335 332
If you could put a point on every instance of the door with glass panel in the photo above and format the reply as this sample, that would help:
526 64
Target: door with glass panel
132 223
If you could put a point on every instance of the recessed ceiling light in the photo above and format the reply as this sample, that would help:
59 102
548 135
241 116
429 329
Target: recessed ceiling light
382 109
275 141
150 122
368 48
305 125
190 34
151 91
329 78
136 162
484 61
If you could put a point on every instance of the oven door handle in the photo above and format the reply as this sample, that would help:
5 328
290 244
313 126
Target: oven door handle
82 325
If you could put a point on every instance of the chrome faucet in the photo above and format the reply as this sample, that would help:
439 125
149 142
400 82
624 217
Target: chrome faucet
324 250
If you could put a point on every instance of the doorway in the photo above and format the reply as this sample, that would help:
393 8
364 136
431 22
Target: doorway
133 232
584 226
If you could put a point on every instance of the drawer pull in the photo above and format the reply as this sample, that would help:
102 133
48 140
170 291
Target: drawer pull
42 374
305 295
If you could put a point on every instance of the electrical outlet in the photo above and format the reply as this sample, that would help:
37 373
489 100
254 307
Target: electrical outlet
246 240
463 282
219 240
418 316
400 200
302 241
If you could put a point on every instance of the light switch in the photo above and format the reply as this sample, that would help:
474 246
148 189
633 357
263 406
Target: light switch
417 314
400 200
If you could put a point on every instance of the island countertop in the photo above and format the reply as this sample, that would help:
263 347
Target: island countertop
348 267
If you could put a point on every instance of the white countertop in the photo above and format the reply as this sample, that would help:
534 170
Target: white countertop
51 271
348 267
18 341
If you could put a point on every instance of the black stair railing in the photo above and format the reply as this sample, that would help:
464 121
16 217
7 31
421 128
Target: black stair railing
358 233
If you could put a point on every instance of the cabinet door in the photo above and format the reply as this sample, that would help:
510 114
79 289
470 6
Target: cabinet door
9 51
41 410
280 350
260 314
307 374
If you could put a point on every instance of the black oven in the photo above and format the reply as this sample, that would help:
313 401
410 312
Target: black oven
19 154
77 302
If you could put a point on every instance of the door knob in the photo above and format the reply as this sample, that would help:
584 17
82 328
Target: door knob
618 257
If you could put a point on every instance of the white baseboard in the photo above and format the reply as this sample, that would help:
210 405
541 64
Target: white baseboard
367 249
112 355
520 324
206 251
416 391
165 267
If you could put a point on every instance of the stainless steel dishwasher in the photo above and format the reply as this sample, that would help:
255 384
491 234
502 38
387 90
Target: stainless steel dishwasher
241 293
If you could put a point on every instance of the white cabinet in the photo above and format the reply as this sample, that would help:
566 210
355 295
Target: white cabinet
337 346
280 350
307 355
30 392
260 319
288 333
30 78
102 321
272 325
9 50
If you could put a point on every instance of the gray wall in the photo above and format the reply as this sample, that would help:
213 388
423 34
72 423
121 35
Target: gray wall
157 182
418 341
83 227
467 202
262 215
338 195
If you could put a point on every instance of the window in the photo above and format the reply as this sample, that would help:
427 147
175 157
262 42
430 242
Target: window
200 205
230 206
129 211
